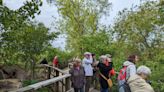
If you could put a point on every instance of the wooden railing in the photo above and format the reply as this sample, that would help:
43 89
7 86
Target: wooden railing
61 77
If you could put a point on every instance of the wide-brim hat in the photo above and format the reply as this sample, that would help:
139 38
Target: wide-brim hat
87 53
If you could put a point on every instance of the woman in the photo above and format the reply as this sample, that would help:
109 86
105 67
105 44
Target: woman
137 82
104 67
77 76
131 67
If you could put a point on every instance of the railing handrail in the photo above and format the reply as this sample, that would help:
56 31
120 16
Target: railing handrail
42 83
61 71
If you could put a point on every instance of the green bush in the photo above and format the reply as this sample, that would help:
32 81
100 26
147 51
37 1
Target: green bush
29 82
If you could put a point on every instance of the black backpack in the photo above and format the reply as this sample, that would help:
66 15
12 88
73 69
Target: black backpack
126 87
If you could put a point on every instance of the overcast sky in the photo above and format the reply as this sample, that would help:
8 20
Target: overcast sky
47 11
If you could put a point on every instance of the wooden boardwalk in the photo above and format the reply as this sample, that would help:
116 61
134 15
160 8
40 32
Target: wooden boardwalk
61 81
91 90
94 90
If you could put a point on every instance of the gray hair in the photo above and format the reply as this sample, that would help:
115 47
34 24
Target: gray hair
102 58
143 69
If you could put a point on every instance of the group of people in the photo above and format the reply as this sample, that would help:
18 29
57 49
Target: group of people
135 79
129 78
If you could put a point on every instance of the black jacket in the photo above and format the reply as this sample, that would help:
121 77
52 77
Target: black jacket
105 71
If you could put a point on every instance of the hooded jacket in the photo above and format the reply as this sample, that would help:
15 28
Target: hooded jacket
138 84
131 69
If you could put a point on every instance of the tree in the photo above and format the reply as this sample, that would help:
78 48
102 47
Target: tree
20 39
12 19
139 29
25 45
80 17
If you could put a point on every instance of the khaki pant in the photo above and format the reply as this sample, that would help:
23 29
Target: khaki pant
88 83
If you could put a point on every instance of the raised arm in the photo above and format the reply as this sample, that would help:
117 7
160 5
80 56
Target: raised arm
87 61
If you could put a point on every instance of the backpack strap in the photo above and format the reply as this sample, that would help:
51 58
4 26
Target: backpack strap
103 76
109 81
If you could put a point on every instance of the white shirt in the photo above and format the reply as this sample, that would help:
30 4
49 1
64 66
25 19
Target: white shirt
88 67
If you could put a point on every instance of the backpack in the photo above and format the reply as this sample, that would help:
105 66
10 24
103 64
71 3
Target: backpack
122 74
126 87
122 77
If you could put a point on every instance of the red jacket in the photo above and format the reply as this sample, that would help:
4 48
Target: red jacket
55 61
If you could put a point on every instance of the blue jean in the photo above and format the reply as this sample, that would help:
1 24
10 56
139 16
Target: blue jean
78 89
121 89
104 90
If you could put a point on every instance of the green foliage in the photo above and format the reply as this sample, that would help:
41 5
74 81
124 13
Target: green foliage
139 29
13 19
97 43
80 17
20 39
29 82
1 2
23 44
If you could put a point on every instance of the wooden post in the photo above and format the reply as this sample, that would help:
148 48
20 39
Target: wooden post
62 83
33 68
57 83
49 73
67 84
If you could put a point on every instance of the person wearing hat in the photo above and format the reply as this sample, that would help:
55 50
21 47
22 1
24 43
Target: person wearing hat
109 57
77 76
87 64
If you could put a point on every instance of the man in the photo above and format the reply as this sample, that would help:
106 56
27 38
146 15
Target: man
87 64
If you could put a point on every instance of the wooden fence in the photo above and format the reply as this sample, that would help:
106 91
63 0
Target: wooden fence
61 77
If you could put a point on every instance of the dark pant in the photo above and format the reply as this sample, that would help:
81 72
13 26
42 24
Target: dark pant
78 89
95 79
88 83
104 90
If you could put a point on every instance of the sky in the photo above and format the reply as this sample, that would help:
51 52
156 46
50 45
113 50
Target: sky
49 11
